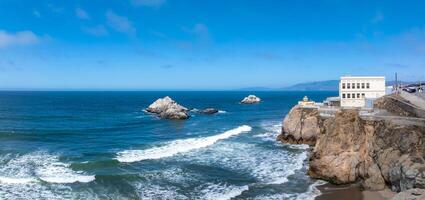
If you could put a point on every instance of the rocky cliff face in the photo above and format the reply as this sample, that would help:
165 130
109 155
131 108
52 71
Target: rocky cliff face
348 149
300 126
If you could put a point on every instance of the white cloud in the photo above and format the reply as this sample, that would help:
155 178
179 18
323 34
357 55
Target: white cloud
81 14
98 30
150 3
19 38
120 23
379 16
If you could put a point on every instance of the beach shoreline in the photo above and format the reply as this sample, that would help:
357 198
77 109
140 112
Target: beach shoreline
351 192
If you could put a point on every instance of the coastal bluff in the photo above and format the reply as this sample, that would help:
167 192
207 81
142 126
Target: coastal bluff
377 149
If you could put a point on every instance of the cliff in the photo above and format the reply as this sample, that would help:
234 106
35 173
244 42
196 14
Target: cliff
375 151
300 126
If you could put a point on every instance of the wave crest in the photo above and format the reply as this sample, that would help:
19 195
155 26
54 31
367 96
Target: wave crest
177 146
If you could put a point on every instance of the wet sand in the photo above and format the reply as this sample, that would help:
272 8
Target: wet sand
338 192
351 192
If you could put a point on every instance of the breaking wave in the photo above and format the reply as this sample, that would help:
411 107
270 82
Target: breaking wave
177 146
38 166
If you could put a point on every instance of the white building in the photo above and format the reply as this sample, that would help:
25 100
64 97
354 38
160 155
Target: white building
356 91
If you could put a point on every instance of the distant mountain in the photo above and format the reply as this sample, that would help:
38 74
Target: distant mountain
330 85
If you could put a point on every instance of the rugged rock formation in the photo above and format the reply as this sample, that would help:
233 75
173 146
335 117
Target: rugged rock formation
251 99
412 194
209 111
350 148
300 126
167 108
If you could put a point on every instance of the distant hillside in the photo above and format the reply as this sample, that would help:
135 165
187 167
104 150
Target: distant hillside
330 85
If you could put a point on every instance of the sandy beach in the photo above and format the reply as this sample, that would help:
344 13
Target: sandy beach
351 192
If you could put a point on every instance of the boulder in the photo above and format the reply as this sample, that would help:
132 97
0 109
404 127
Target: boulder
209 111
251 99
167 108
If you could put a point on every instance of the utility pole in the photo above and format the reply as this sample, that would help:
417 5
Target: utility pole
396 82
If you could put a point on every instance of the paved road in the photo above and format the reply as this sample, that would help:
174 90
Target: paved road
415 99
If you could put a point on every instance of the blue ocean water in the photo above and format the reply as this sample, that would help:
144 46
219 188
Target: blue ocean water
101 145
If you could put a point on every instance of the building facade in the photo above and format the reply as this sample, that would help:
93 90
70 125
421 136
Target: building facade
358 91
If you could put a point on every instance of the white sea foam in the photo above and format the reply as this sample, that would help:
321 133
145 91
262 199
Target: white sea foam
11 180
21 178
61 173
269 166
272 130
39 166
177 146
222 111
151 191
312 191
220 191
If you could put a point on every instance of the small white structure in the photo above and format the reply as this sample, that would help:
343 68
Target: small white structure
305 102
358 91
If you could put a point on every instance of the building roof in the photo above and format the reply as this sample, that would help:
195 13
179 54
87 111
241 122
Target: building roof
363 77
333 99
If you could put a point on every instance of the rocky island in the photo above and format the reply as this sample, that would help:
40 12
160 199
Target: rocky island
379 148
167 108
251 99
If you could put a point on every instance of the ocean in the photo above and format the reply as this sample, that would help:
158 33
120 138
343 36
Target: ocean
101 145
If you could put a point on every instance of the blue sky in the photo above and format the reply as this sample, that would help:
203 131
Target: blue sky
192 44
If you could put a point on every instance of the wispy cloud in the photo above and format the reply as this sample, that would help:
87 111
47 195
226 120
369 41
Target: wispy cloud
36 13
81 14
149 3
379 16
200 31
120 23
8 39
98 30
55 9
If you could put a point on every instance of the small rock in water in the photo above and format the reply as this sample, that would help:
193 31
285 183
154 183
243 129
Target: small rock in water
209 111
251 99
167 108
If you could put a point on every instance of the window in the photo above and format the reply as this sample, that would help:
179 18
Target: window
343 96
348 95
353 85
358 85
363 95
362 85
348 85
367 85
353 96
358 95
343 85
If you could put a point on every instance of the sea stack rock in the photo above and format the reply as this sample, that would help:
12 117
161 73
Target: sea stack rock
167 108
209 111
251 99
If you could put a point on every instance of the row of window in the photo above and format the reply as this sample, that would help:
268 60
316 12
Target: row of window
353 95
353 85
